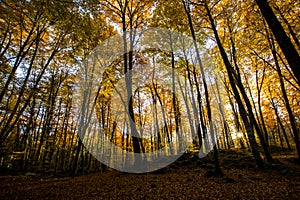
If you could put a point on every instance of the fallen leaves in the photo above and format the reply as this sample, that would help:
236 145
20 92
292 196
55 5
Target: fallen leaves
181 184
178 181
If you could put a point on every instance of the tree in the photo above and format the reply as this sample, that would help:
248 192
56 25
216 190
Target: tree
283 40
232 79
207 98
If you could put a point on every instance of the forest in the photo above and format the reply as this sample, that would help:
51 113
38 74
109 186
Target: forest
152 99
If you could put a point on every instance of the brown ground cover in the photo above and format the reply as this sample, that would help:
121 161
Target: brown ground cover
185 179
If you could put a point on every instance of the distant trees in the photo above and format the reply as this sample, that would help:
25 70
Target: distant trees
239 83
210 119
39 48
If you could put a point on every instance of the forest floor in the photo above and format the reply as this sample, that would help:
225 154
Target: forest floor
187 178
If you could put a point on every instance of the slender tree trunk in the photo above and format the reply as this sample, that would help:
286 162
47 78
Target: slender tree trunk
249 106
222 113
243 112
259 88
128 66
287 105
208 106
195 110
174 100
280 124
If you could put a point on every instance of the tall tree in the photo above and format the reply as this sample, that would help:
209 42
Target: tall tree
282 38
232 79
186 5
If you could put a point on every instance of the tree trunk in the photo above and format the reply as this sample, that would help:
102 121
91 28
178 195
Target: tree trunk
243 112
283 40
209 115
287 105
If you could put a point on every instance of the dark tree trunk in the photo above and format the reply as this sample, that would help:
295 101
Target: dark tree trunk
287 105
243 112
209 115
282 38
